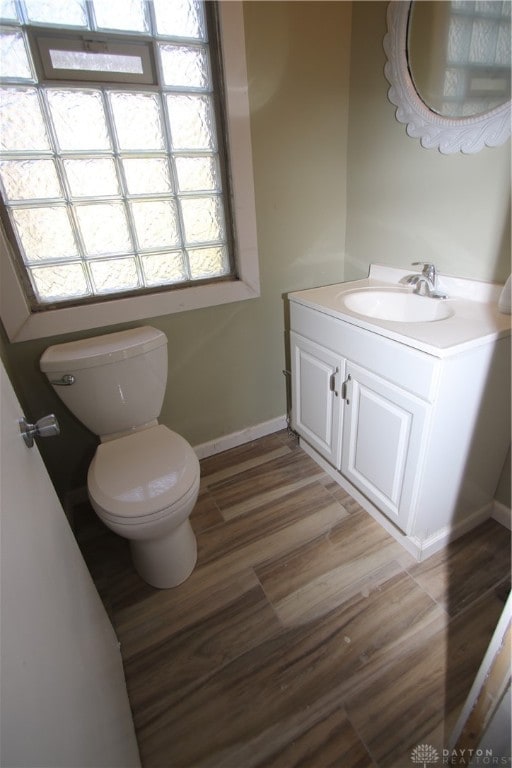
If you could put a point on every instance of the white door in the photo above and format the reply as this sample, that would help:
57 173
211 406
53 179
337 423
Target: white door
63 699
317 376
383 430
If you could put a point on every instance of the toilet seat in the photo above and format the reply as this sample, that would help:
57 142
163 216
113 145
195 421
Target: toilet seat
137 478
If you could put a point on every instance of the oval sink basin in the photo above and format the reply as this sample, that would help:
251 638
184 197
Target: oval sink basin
397 306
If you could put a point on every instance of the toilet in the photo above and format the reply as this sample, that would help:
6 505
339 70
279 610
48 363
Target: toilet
143 481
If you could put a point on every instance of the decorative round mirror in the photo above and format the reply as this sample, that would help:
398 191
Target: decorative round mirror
449 69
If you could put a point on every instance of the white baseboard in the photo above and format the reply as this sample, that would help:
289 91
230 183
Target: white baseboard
502 514
235 439
441 538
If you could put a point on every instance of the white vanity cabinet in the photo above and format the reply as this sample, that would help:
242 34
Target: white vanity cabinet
418 439
362 423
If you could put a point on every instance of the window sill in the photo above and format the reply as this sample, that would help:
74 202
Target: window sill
21 324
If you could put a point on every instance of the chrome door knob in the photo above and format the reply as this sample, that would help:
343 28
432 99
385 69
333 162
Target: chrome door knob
47 426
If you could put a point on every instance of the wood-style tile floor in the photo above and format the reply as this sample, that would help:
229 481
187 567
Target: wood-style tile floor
306 636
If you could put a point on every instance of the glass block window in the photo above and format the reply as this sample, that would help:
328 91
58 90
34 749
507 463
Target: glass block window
112 148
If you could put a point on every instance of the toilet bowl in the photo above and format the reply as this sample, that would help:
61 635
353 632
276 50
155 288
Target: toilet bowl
144 487
143 481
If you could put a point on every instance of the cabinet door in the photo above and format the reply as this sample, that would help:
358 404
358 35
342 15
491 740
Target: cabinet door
317 374
383 429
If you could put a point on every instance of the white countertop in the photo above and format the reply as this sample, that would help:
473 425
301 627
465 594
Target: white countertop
475 320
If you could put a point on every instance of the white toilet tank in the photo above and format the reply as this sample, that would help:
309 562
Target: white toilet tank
119 379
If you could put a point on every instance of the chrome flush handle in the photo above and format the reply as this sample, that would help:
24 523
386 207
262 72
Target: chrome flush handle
65 381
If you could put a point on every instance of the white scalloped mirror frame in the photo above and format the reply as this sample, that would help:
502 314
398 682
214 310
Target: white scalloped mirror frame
449 135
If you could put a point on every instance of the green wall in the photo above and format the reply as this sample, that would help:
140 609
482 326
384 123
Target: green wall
338 185
407 203
225 363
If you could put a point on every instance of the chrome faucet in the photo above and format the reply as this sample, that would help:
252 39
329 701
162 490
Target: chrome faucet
426 283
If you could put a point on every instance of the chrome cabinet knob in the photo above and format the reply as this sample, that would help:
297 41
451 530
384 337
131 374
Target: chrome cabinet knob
47 426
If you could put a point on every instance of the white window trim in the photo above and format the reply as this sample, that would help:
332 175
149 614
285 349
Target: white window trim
21 324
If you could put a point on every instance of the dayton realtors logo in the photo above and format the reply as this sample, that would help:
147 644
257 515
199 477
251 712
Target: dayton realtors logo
425 754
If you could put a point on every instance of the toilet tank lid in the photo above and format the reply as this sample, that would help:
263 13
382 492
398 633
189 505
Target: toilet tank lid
98 350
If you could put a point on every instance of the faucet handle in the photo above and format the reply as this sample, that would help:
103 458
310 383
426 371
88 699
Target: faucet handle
429 270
